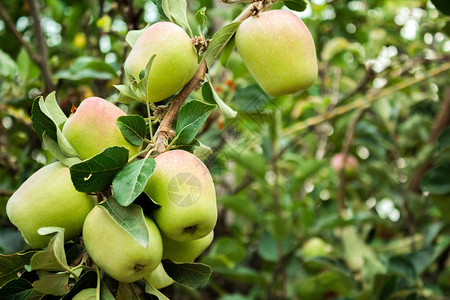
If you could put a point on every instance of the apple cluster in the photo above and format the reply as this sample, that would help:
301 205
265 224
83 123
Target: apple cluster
181 185
279 52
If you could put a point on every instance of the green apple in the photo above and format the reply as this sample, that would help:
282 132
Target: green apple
158 278
185 251
351 164
182 185
279 52
314 247
48 199
86 294
115 251
92 128
177 252
175 62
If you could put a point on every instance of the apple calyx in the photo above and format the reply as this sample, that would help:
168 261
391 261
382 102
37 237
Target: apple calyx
190 229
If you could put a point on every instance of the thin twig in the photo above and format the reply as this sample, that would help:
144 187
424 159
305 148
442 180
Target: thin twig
41 47
366 102
5 16
440 123
349 136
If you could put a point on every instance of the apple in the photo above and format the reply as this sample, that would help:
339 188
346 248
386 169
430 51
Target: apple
185 251
115 251
314 247
48 199
158 278
86 294
92 128
175 62
351 164
182 185
279 52
177 252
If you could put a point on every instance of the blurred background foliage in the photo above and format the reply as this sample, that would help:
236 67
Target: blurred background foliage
290 226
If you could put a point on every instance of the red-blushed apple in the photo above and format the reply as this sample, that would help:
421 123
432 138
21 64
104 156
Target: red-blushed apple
182 185
115 251
92 128
279 51
48 199
351 164
175 62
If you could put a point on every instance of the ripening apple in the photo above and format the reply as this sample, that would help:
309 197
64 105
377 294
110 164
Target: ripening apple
175 62
115 251
279 52
48 199
179 252
351 164
92 128
182 185
86 294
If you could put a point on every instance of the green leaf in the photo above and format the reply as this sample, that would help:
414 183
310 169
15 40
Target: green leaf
210 95
126 94
166 10
133 128
11 265
202 151
191 117
159 6
142 84
8 67
442 5
219 42
297 5
17 289
86 67
126 291
130 182
130 218
87 280
436 180
133 35
26 68
53 147
149 289
201 18
54 257
42 123
444 140
97 173
52 283
250 99
189 274
52 109
227 52
178 10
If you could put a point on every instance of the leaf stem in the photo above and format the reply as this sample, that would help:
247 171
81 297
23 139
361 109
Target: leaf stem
97 292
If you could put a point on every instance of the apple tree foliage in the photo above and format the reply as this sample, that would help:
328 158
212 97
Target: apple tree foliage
290 226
